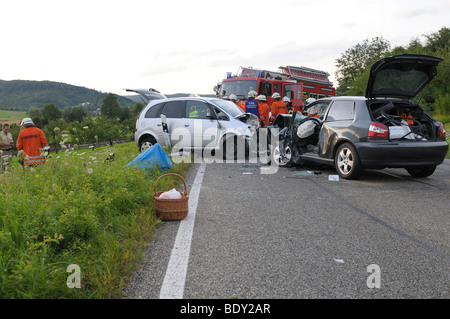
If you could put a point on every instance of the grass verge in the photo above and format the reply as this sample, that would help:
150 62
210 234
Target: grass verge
79 210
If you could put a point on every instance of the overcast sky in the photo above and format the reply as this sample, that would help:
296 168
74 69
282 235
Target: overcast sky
188 46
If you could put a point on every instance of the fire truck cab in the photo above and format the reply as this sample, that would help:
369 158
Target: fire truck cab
297 83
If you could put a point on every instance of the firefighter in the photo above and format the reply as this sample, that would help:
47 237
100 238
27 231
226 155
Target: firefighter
233 98
310 100
288 103
278 106
264 110
252 105
31 140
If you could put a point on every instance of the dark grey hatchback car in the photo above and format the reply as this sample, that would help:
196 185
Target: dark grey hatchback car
383 129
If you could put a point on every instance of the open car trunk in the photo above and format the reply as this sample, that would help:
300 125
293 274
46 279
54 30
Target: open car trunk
393 82
406 120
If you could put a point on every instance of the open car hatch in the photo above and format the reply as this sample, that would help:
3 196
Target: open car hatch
402 76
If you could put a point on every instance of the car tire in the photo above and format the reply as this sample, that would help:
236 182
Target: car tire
347 162
146 143
236 152
276 156
421 171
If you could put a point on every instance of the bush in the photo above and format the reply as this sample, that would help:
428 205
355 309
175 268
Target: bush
442 105
75 209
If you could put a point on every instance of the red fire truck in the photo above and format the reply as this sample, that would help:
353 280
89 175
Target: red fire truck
297 83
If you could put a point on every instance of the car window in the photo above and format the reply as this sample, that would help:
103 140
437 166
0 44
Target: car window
317 109
153 111
221 114
197 109
341 110
174 109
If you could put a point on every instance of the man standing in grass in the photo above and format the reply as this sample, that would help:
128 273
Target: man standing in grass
6 140
31 140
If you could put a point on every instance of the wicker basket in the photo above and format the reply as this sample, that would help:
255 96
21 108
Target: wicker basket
171 209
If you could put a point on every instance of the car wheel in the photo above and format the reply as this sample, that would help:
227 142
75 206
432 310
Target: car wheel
347 162
280 160
421 171
237 148
231 151
146 143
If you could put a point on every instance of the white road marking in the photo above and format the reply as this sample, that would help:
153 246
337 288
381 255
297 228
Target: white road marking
175 278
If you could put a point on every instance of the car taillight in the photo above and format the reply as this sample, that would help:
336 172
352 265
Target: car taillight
378 130
442 130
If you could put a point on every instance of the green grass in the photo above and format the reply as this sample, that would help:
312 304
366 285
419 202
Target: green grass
11 116
76 209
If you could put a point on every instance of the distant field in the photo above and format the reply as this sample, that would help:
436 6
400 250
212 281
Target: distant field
11 117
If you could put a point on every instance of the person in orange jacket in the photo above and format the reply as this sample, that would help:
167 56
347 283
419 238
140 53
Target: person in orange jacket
233 98
278 106
264 111
31 140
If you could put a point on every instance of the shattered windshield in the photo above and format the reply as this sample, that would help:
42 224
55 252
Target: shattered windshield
238 87
299 117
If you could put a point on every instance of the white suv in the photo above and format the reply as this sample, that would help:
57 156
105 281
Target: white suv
196 123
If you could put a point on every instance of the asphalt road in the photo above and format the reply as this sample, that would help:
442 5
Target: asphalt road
299 235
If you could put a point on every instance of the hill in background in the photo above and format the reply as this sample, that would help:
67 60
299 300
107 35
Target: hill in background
20 95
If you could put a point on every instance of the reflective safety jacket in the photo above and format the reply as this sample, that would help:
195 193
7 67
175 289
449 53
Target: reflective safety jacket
264 111
278 107
241 104
251 106
31 140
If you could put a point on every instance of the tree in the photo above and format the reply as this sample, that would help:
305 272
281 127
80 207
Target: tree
36 116
355 60
137 108
78 113
438 40
50 112
110 107
74 113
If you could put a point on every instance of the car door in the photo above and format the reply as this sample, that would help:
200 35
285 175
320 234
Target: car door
175 113
201 122
337 125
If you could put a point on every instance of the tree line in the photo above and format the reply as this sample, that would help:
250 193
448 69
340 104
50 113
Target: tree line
353 67
76 125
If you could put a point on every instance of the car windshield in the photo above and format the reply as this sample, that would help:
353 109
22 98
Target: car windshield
240 88
229 107
298 117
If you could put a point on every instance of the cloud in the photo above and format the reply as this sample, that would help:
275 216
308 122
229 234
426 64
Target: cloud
411 14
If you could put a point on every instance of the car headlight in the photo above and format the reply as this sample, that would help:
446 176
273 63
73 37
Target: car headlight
253 121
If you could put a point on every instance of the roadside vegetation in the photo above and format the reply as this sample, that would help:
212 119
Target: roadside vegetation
76 209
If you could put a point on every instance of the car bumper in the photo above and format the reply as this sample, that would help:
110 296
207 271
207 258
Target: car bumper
401 154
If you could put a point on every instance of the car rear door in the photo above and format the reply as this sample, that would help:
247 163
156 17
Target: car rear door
175 113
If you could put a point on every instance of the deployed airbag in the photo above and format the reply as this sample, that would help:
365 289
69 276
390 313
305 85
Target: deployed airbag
306 129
